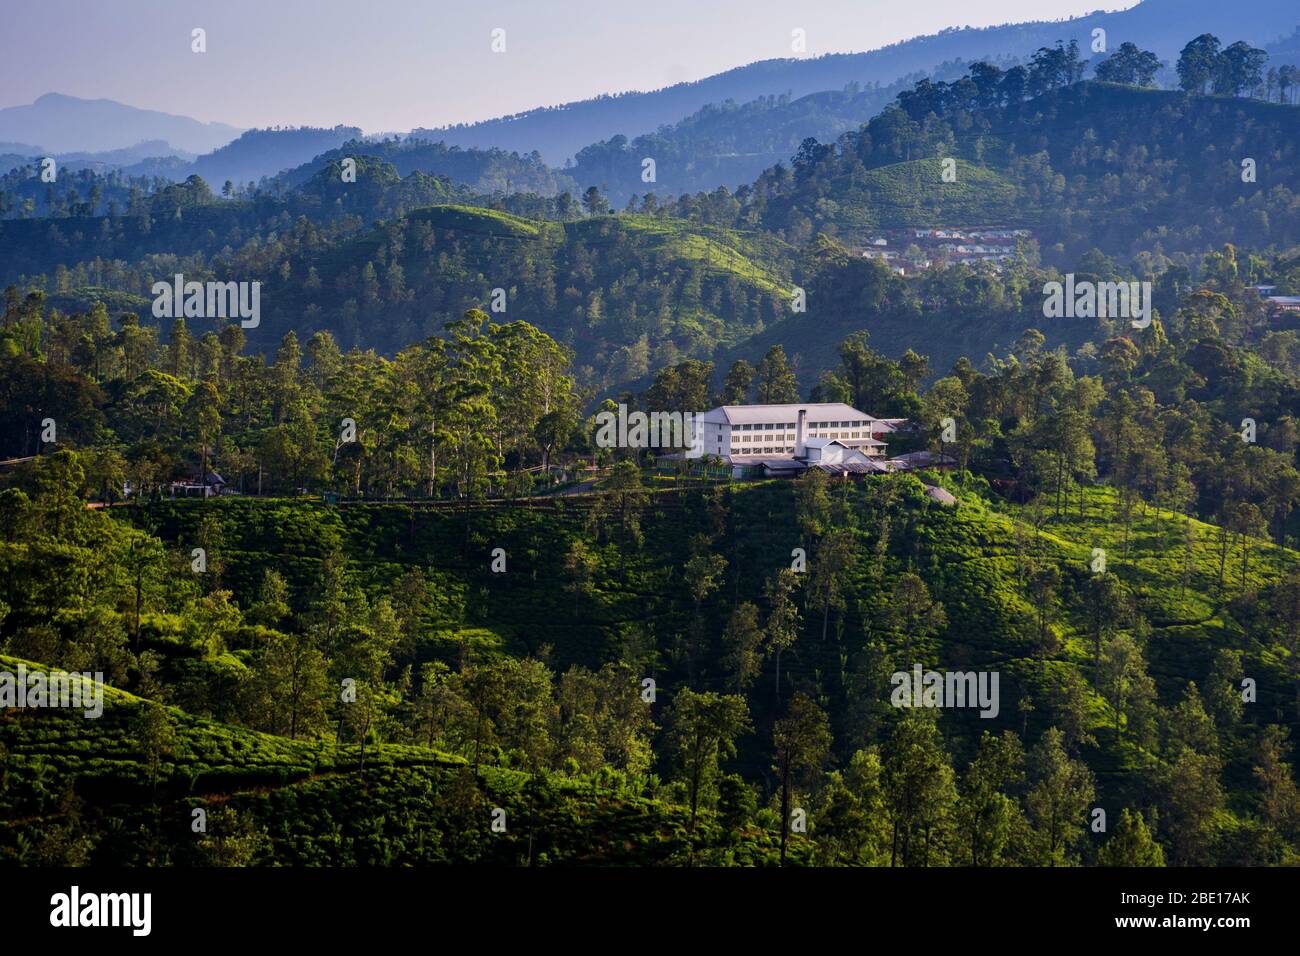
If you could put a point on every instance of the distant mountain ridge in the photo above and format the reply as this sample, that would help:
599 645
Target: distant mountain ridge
1163 26
721 130
67 124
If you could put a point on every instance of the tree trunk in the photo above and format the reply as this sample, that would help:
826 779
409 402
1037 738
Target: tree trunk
785 807
433 457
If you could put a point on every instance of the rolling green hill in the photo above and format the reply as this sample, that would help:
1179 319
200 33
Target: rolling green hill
626 293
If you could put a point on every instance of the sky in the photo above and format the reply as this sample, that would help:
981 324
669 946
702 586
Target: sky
391 65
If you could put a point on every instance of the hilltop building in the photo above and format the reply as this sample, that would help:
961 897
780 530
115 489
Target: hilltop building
784 440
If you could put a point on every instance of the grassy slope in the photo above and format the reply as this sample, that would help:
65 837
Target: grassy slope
752 258
479 221
914 195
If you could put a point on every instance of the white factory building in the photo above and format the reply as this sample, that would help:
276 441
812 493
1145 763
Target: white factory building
786 439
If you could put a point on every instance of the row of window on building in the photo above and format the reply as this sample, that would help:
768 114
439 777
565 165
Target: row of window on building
789 437
861 423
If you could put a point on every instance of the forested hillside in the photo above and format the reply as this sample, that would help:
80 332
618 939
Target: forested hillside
1088 165
1118 691
264 152
604 285
274 801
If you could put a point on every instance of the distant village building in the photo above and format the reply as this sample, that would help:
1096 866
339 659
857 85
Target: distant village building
1283 303
895 260
996 245
205 486
1274 302
998 232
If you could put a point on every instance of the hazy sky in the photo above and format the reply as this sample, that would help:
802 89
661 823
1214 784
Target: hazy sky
395 64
